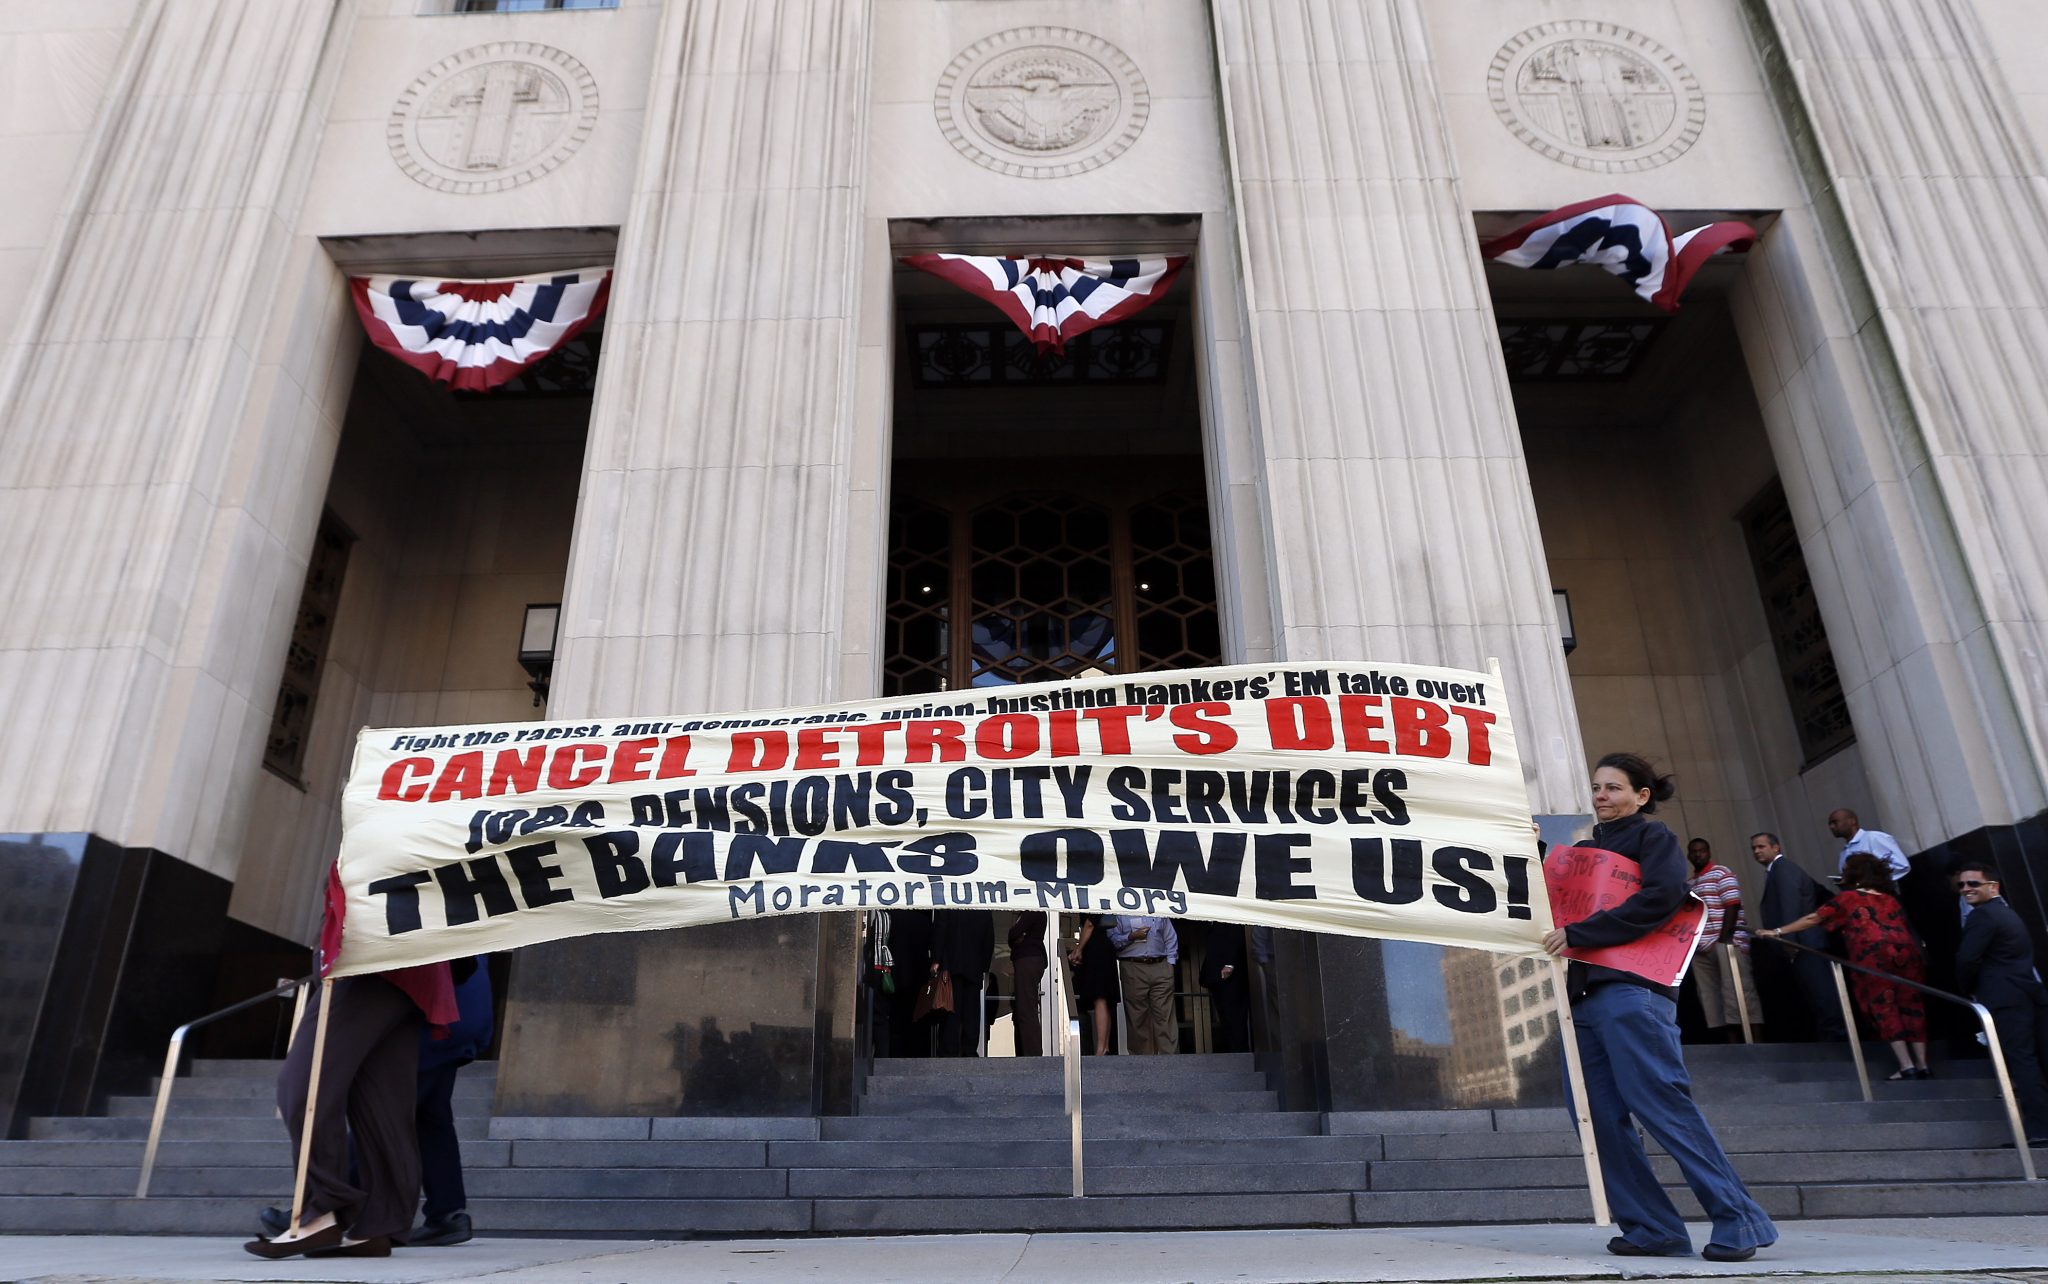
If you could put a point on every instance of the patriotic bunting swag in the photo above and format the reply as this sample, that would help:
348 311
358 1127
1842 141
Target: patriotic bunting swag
475 335
1054 299
1624 236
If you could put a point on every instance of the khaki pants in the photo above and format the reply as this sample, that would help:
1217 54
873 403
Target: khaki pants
1148 1005
1717 997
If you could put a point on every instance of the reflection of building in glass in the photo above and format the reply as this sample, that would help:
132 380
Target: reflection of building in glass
1479 1072
1528 1016
1421 1069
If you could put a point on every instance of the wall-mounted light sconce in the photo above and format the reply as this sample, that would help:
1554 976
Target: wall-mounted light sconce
1565 631
537 646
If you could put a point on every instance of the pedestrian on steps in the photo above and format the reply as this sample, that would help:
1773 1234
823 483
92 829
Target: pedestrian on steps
1628 1043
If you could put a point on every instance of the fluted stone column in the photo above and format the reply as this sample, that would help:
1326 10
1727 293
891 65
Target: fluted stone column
1399 500
170 401
1403 526
707 568
168 410
1914 385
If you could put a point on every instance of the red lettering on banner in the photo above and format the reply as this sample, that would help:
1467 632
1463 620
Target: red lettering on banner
758 751
1421 729
1478 741
1362 721
871 743
515 772
1064 733
1113 725
1007 735
566 770
461 777
629 760
1202 726
813 750
1299 722
934 741
398 782
675 759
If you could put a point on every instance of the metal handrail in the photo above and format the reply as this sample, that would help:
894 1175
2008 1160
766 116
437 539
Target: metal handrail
175 1052
1073 1084
1990 1027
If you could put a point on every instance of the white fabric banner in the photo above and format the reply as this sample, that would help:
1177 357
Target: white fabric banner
1364 799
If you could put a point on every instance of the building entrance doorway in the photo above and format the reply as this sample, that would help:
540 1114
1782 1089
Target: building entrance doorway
1049 519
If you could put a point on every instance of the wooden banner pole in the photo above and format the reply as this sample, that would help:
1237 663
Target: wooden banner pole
1582 1110
312 1097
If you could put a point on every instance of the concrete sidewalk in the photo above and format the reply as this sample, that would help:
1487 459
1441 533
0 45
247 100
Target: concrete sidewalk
1988 1247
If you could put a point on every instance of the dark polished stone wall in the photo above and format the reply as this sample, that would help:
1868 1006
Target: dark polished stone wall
134 943
746 1018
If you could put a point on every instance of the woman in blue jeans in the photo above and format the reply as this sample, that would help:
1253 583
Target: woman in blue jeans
1628 1043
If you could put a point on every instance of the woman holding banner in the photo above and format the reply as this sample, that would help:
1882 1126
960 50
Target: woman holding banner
1628 1042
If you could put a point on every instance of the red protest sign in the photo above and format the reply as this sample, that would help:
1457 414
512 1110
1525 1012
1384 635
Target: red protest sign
1585 880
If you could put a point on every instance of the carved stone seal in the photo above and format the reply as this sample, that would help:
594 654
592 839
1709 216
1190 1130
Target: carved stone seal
492 117
1597 96
1042 102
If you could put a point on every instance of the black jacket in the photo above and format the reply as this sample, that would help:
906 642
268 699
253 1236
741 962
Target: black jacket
1790 894
964 941
1995 961
1223 946
1655 850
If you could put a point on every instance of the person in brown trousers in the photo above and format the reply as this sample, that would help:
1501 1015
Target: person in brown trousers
367 1087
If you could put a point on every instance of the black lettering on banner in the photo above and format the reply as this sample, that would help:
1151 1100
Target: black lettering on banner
401 900
958 805
1038 857
1467 891
1177 853
739 895
464 883
777 855
619 872
697 863
1275 864
833 855
946 855
1376 880
1387 784
536 880
1517 870
1125 785
897 806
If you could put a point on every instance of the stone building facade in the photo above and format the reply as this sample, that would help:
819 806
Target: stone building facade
1800 526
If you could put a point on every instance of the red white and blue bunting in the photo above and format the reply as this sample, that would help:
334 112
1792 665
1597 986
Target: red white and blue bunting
1620 235
1053 299
475 335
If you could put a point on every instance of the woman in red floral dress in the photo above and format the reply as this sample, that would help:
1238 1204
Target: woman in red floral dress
1867 915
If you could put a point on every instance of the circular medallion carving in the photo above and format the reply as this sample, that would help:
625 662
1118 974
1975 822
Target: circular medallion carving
1042 102
1597 96
492 117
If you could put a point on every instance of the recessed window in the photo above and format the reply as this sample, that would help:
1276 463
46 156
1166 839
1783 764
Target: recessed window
1813 686
292 718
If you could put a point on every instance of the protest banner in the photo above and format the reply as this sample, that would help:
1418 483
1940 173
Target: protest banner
1370 800
1585 880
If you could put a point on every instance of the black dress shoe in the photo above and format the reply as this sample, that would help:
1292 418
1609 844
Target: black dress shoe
1623 1246
276 1249
439 1232
1723 1253
273 1220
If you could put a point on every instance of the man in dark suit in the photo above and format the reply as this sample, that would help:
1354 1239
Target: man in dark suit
1229 985
1790 894
1995 966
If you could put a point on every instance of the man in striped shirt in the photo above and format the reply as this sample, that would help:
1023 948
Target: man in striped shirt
1715 885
